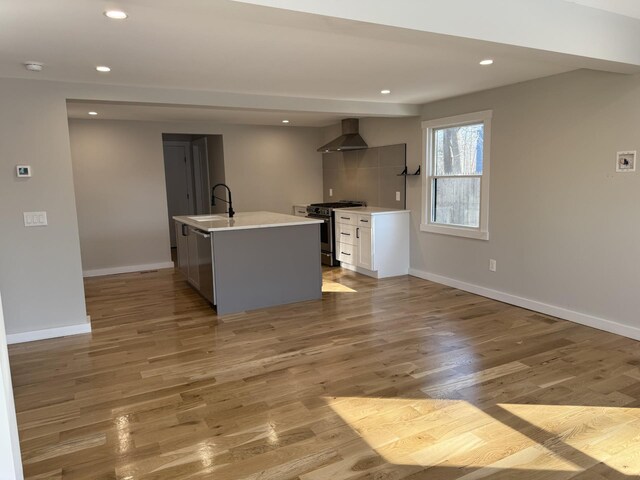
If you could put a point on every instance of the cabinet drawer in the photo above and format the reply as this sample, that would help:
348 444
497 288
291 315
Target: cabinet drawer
346 253
345 234
346 218
364 221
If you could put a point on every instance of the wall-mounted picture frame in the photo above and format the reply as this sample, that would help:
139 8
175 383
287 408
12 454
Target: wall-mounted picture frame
626 161
23 171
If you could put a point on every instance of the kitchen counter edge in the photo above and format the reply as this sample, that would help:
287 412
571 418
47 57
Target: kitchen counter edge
373 210
251 221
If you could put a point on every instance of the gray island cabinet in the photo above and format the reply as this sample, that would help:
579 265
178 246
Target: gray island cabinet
253 260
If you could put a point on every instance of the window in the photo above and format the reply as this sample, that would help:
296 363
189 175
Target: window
456 187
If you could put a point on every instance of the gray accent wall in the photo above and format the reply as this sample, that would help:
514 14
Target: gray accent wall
215 155
40 270
563 224
370 175
120 180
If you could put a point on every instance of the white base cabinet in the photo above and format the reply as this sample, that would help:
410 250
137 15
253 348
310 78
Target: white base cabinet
373 241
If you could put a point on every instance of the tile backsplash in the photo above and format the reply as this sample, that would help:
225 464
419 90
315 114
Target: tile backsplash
370 175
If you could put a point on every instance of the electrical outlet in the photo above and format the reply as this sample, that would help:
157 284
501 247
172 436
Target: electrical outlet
35 219
492 265
331 192
397 196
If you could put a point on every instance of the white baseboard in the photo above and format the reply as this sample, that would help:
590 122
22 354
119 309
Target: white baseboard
571 315
360 270
49 333
126 269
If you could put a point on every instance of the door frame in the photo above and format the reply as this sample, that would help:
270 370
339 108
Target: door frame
10 460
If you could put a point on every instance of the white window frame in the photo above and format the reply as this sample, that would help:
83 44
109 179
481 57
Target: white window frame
481 232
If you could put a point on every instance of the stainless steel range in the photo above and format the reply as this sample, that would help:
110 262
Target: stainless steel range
325 211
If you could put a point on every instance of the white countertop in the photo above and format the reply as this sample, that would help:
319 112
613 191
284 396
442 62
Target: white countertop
373 210
244 221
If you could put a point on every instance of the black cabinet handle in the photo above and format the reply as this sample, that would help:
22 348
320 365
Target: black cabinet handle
358 232
345 218
365 221
185 230
347 254
346 234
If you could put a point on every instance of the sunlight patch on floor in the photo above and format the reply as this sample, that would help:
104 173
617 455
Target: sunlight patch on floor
610 435
455 433
333 287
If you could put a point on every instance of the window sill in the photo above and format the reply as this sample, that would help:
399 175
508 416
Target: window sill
455 231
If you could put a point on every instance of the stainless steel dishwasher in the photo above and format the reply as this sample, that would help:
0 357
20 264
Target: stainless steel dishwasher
205 265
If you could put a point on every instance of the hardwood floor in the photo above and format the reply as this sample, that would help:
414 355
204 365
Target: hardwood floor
390 379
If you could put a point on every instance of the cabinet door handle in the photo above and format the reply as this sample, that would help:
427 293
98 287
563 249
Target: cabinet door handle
185 230
358 232
346 234
347 254
365 221
345 218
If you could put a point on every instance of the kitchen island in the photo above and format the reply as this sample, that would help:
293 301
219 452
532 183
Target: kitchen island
253 260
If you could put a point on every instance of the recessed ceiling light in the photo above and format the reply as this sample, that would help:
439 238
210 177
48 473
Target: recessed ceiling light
488 61
285 121
385 92
103 69
116 14
93 113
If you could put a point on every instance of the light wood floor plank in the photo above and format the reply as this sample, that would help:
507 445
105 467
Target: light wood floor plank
383 379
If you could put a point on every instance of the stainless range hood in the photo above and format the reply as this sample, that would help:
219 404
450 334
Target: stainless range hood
349 140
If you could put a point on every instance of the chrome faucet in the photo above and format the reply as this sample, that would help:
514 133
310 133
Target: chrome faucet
230 202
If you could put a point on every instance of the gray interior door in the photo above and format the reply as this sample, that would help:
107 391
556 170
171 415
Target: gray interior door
177 157
201 176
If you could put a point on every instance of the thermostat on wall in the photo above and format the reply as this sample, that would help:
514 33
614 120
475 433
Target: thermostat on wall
23 170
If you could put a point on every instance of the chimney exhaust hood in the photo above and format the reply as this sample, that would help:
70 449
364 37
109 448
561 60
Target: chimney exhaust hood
349 140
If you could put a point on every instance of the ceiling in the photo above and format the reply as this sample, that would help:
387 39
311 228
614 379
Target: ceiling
628 8
233 47
230 48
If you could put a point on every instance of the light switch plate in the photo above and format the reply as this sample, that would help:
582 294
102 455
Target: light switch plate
397 196
331 192
35 219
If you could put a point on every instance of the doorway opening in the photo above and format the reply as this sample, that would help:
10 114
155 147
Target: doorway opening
192 164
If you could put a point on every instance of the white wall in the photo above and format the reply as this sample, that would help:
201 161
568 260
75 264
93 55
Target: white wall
10 461
564 226
120 188
40 272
